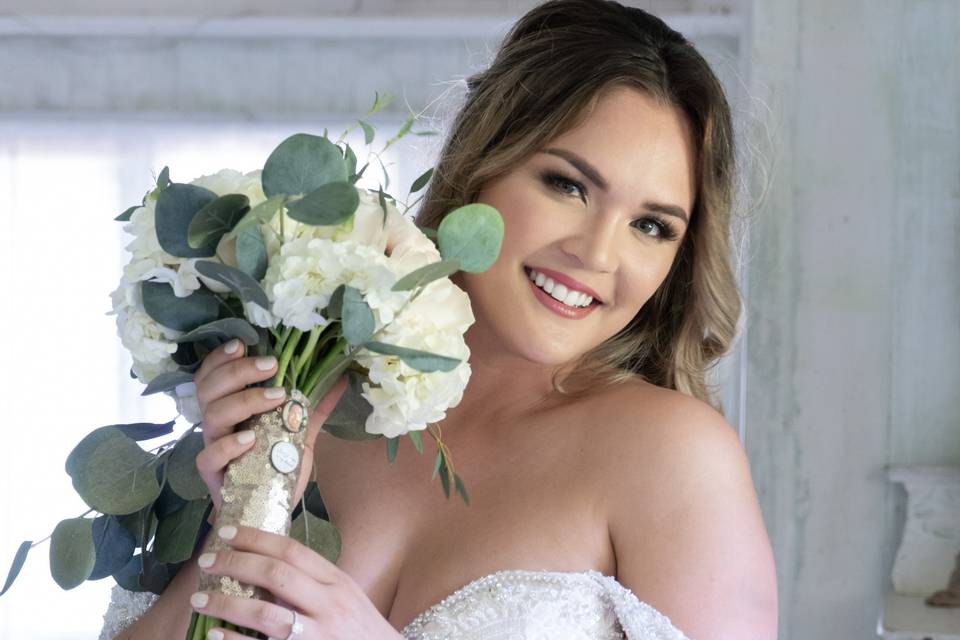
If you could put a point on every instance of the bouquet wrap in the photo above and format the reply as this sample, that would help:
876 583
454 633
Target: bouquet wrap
258 487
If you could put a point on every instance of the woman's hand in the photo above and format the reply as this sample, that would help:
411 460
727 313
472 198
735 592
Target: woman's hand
330 605
225 400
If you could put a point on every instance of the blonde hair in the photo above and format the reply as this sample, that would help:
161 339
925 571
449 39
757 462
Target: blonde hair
548 74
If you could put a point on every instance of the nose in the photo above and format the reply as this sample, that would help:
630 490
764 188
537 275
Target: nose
595 243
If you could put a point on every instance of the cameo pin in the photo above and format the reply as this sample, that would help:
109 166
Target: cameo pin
294 416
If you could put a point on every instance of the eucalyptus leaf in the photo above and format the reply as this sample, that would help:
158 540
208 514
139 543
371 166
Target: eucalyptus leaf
128 577
426 274
330 204
18 559
118 476
405 127
260 214
163 180
368 131
461 489
471 234
167 381
123 217
241 283
251 251
177 533
445 478
113 546
181 314
422 181
176 207
313 501
335 305
350 162
419 360
379 102
383 204
146 430
358 320
415 438
156 574
222 330
81 452
72 555
182 473
301 164
436 463
430 232
352 409
319 535
215 219
392 445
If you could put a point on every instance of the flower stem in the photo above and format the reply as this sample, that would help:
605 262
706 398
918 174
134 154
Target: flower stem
286 355
283 339
305 355
322 366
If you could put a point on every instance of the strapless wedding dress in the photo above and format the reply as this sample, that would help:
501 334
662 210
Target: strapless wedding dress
513 604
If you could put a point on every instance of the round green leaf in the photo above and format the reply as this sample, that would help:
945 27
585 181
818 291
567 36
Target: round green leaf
241 283
113 545
177 533
301 164
167 381
223 330
77 458
358 320
329 204
471 234
217 218
182 314
72 555
182 471
319 535
176 207
119 477
251 253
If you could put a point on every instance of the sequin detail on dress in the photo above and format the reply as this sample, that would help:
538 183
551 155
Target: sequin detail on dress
513 604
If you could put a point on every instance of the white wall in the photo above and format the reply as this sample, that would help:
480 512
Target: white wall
854 303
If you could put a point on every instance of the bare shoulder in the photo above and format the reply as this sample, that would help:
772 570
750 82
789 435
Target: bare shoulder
683 515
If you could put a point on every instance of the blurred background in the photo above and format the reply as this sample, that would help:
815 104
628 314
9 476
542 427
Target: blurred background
846 375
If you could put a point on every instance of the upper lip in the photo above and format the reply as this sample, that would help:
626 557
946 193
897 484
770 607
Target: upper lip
570 283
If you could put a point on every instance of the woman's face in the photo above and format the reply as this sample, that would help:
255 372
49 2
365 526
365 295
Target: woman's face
603 207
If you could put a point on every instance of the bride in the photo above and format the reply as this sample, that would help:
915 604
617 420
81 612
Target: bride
609 497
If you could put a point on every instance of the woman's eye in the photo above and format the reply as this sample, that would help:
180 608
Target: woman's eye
561 184
656 228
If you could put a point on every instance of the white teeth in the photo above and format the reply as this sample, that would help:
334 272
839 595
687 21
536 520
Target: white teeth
560 292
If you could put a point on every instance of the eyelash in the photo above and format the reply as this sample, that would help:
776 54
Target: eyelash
555 180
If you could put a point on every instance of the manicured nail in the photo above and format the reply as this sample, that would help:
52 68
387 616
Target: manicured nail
206 559
199 600
272 393
265 363
227 532
232 346
214 634
246 437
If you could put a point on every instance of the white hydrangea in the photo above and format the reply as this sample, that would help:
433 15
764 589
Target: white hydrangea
150 344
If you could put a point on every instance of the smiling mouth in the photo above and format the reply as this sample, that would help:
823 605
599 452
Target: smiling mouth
526 274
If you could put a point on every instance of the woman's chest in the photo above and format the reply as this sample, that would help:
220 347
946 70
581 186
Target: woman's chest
408 546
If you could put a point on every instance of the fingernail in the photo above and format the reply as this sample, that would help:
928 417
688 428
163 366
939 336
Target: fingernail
205 560
232 346
246 437
214 634
199 599
265 363
227 532
272 393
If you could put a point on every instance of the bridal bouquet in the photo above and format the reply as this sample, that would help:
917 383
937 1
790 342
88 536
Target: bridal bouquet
298 262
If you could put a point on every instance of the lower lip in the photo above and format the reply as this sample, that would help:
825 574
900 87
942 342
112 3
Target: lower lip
561 309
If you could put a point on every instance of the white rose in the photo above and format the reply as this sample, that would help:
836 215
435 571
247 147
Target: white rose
150 344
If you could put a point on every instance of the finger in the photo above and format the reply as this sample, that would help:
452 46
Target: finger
218 356
232 376
283 548
263 616
276 576
223 414
213 459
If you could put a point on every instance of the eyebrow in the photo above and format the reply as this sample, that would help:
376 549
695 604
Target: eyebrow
590 171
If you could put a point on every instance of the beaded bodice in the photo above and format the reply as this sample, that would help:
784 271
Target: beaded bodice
513 604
